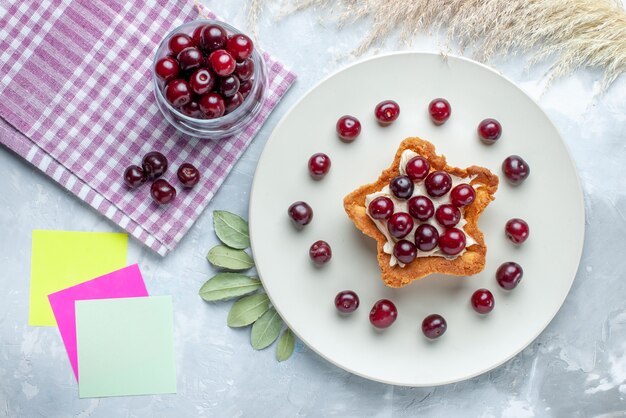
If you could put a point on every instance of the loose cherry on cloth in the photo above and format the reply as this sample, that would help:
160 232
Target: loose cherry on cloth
134 176
57 137
162 192
188 175
154 165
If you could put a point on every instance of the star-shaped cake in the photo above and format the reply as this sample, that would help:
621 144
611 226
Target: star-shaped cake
424 214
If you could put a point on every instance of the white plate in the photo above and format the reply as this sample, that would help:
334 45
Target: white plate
550 201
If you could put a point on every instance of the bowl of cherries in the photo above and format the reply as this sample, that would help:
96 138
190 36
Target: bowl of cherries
209 79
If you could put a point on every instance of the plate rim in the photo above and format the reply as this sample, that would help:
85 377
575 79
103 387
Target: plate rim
579 193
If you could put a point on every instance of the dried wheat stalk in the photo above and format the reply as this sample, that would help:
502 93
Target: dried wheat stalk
576 33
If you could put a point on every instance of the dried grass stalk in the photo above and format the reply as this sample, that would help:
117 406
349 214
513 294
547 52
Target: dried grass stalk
576 33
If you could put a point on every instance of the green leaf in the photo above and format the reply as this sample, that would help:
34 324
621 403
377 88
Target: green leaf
225 286
266 329
230 259
231 229
247 310
284 348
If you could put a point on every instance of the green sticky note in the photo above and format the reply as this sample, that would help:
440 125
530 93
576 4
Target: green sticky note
61 259
125 346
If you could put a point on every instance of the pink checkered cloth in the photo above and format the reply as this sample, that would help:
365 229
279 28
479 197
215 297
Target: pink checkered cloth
77 102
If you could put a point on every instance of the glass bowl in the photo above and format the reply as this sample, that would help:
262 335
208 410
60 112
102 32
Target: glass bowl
227 125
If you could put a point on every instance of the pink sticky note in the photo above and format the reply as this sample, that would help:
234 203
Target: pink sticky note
123 283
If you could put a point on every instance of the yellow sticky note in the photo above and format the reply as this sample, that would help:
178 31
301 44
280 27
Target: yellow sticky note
61 259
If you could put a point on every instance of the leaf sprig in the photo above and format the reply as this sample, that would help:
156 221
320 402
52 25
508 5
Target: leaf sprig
253 306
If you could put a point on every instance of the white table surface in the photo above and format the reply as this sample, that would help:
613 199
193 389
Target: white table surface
577 367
